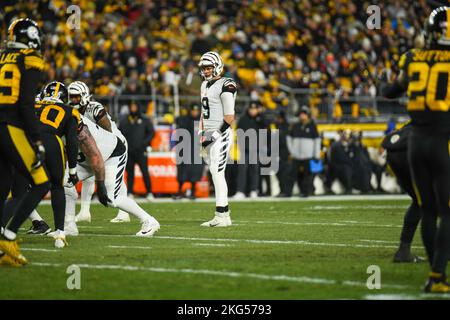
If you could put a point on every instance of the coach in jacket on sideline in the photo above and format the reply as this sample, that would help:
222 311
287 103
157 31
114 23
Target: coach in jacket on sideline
304 145
139 132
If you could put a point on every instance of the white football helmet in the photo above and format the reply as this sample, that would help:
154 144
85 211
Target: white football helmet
81 89
211 58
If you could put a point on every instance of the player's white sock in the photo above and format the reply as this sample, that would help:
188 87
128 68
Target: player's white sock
35 216
71 198
86 193
223 214
220 188
129 205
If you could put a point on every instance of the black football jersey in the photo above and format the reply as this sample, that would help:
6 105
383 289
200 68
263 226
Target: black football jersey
428 77
54 117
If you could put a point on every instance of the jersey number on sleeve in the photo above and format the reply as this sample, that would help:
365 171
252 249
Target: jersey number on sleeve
436 83
205 108
10 83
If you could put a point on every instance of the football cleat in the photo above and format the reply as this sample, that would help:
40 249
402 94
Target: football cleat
437 283
122 216
60 238
218 221
6 260
71 229
149 227
83 216
39 227
150 197
407 257
11 248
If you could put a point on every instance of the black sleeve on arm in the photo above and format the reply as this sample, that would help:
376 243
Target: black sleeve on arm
100 115
393 90
28 86
71 142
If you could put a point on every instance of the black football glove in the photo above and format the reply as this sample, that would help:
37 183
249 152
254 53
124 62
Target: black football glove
102 194
73 177
210 137
206 143
40 155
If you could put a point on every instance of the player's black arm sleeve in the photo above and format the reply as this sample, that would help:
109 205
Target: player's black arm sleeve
71 142
28 84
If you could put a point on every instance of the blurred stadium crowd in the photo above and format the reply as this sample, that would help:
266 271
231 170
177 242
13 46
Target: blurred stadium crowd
145 47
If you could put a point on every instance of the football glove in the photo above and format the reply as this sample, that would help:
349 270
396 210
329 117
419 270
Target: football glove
40 155
210 137
102 193
73 177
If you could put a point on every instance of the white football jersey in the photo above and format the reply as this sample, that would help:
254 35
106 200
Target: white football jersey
105 140
212 108
94 112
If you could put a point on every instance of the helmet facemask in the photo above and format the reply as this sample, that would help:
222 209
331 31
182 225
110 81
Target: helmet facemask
211 59
81 90
55 91
24 33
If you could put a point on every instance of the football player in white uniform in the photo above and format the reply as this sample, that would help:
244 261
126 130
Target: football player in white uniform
114 153
218 95
80 98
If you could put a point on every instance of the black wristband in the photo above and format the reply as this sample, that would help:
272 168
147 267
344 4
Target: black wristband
224 127
100 183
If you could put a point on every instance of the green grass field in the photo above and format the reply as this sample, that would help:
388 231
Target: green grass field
275 250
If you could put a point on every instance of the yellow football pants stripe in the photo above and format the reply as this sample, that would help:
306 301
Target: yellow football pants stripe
61 146
416 191
27 154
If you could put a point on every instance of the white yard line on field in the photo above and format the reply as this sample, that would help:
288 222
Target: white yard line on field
212 244
128 247
297 279
272 199
307 223
356 207
378 241
90 227
39 249
339 224
298 242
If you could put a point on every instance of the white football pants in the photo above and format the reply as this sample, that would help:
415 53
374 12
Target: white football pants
216 158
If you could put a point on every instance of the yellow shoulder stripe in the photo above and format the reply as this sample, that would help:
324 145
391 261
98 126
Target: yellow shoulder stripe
26 51
76 115
33 62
